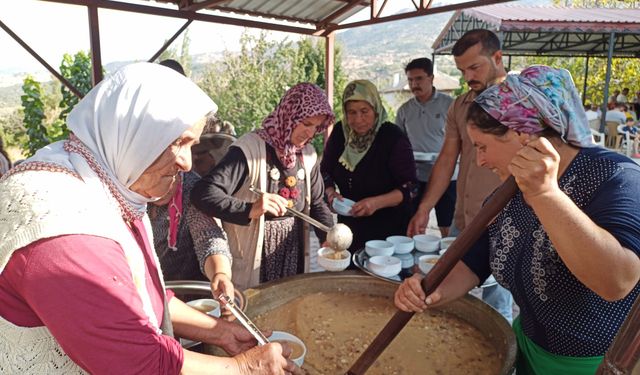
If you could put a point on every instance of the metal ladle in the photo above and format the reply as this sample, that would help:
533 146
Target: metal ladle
339 236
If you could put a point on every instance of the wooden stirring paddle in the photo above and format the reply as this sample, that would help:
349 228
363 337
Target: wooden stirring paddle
445 264
623 356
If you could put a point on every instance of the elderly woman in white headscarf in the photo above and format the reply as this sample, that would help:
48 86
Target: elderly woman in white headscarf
80 286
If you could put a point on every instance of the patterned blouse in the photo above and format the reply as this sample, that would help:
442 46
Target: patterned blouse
558 312
198 237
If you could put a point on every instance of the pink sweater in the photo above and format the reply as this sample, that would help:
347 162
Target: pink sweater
80 287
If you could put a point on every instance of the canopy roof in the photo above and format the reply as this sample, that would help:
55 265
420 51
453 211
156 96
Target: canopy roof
549 30
311 17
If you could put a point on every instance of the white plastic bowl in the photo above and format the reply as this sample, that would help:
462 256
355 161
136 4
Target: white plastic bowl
385 266
329 263
426 262
446 242
402 244
342 207
291 340
406 260
207 306
427 243
378 247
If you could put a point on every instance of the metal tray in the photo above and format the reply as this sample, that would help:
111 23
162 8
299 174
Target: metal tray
361 259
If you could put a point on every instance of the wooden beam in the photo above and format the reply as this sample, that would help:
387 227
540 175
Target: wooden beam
147 9
33 53
94 37
168 43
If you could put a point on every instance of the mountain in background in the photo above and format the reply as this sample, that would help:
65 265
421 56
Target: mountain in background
376 52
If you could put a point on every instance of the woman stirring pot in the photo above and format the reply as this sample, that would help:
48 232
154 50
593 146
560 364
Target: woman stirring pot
567 245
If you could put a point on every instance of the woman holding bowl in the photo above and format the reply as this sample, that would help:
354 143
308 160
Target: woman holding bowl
370 161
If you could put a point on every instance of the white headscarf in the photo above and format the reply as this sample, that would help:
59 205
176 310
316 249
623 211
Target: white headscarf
127 121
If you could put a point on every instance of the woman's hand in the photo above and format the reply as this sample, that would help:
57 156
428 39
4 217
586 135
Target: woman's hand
221 282
410 297
332 194
269 359
234 338
271 203
365 207
535 168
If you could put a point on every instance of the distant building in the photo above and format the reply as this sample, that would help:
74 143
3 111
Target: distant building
399 92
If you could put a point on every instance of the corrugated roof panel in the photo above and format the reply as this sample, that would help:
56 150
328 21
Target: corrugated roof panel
516 12
549 30
312 11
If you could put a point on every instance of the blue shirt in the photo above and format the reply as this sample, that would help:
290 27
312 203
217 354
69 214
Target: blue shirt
558 312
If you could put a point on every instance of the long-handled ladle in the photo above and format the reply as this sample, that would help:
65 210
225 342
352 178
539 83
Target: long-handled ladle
339 236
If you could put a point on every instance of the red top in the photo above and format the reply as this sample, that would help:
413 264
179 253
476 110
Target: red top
81 288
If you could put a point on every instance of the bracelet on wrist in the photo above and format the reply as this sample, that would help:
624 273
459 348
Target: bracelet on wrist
221 273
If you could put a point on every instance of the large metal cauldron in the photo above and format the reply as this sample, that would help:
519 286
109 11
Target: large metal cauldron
266 297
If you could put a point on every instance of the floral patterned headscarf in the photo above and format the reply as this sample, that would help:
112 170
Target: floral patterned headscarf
300 102
356 146
539 97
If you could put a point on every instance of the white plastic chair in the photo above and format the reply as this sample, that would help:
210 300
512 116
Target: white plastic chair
626 143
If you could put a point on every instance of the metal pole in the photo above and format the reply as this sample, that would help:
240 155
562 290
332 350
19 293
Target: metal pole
33 53
94 37
329 65
612 42
168 43
584 87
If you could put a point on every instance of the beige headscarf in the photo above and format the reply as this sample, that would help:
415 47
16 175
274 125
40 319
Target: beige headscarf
356 146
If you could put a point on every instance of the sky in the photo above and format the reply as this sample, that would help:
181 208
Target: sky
53 29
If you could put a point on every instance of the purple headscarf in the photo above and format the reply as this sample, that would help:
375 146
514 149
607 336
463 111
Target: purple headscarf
537 98
300 102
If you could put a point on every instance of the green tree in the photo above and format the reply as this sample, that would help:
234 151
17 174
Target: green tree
33 115
309 66
624 73
248 85
45 108
12 128
77 70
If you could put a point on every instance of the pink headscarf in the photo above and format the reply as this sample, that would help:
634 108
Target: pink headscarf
537 98
300 102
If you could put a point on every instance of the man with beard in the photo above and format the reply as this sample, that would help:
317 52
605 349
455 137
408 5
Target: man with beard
423 118
478 56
